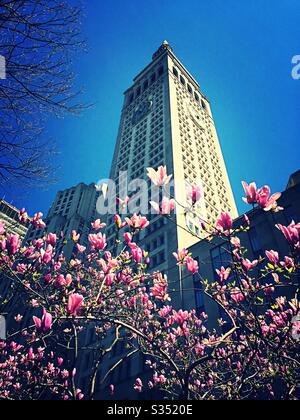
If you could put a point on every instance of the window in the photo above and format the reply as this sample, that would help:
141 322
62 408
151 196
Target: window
203 104
196 97
153 77
161 71
175 72
131 98
138 91
221 256
146 84
255 242
154 261
199 301
154 245
161 258
190 89
182 80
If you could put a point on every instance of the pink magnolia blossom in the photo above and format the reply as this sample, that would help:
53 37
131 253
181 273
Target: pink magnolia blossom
251 192
269 289
2 227
224 222
137 254
137 222
128 238
181 316
164 311
199 349
273 257
237 296
246 220
266 201
236 242
47 254
37 221
249 265
45 323
109 279
64 281
160 287
223 274
296 329
80 248
3 244
97 225
192 265
21 268
23 216
288 263
74 303
13 243
291 232
34 303
39 243
181 256
159 177
98 241
51 239
138 386
166 207
18 318
195 193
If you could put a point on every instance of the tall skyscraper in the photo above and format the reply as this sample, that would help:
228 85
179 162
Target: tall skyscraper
72 209
167 120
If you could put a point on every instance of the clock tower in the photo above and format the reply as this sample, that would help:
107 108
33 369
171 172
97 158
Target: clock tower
167 120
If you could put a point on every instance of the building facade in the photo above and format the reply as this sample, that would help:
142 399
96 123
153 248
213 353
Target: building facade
10 216
72 209
262 236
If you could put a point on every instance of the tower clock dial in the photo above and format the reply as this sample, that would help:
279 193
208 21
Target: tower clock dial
142 110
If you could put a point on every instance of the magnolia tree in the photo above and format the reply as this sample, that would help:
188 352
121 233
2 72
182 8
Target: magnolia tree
118 296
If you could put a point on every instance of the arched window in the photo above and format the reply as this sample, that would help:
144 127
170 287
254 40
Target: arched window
131 97
161 71
175 72
146 84
203 104
190 89
182 80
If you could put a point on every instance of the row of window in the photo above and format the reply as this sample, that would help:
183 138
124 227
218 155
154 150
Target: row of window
189 87
146 84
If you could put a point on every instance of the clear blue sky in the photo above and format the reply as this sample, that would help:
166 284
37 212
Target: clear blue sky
239 51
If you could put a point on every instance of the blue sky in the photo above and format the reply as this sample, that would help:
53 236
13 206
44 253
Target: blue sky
239 51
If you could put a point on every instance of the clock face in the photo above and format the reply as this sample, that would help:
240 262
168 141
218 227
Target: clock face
143 109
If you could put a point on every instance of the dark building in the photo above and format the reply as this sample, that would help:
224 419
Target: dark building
263 235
